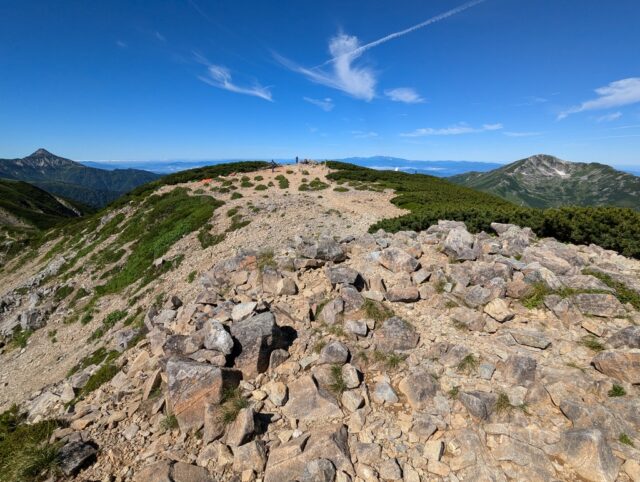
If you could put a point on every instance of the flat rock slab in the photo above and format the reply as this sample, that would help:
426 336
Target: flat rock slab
603 305
623 365
307 401
396 334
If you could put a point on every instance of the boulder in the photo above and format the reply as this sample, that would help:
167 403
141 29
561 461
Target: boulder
157 472
289 460
398 260
242 428
319 470
243 310
419 388
402 294
332 353
183 472
217 338
255 338
75 456
498 309
396 334
343 275
479 404
324 249
586 451
308 402
594 304
520 370
250 456
623 365
192 385
383 392
628 337
531 338
332 311
459 244
472 319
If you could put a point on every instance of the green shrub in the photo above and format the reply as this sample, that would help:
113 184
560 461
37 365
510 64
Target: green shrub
617 391
104 374
236 195
261 187
20 337
283 182
62 292
95 358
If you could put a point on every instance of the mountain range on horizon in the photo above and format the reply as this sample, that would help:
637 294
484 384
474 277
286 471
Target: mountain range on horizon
544 181
64 177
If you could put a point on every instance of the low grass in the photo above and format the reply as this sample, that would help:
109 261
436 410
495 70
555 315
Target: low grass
169 423
25 454
453 393
237 223
95 358
468 364
266 259
622 291
315 185
337 385
376 311
109 322
232 403
20 337
104 374
192 276
592 343
62 292
341 189
390 360
617 391
207 239
535 298
625 439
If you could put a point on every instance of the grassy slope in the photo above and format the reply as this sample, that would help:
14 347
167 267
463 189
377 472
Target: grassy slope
430 199
32 204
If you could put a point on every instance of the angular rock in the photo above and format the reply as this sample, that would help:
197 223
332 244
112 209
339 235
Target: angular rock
325 249
183 472
384 393
157 472
243 310
498 309
76 456
396 334
288 461
332 353
479 404
628 337
307 401
242 428
250 456
459 244
343 275
401 294
520 370
472 319
390 470
319 470
255 338
419 388
357 327
217 338
594 304
191 385
331 312
586 451
398 260
623 365
531 338
477 296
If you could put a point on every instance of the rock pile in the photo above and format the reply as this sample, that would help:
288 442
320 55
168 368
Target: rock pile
439 355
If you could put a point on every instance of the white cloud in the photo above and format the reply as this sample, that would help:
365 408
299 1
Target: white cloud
159 36
364 135
121 44
522 134
532 100
404 94
220 77
454 130
325 104
358 82
609 117
616 94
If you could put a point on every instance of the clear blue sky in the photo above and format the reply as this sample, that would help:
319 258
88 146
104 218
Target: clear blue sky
202 79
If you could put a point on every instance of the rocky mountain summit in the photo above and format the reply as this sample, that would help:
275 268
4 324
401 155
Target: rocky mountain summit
544 181
439 355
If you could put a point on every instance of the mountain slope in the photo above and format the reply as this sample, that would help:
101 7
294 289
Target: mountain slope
434 168
22 204
545 181
88 185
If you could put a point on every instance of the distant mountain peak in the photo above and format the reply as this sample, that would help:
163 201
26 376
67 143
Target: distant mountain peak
43 158
42 152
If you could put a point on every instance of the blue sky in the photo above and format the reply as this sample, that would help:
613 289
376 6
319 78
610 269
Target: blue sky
494 80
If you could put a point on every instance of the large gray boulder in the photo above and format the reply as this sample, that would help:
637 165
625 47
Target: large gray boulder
398 260
396 334
595 304
255 338
623 365
217 338
75 456
586 451
193 385
325 249
628 337
308 402
458 244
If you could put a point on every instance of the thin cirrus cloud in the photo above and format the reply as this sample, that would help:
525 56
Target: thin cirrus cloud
522 134
220 77
364 134
356 80
609 117
325 104
454 130
404 94
616 94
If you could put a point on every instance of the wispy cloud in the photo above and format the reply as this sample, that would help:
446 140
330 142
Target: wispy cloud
532 100
159 36
454 130
325 104
122 44
616 94
522 134
609 117
357 81
404 94
364 134
220 77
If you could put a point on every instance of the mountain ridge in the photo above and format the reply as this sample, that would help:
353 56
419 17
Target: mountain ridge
70 179
544 181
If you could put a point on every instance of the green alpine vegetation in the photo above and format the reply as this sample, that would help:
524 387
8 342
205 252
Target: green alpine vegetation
429 199
544 181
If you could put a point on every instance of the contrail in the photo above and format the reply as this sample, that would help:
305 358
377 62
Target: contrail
357 52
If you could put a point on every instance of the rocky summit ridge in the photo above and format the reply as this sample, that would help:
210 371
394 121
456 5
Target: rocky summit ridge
433 356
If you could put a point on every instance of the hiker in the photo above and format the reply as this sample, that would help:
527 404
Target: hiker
273 165
296 160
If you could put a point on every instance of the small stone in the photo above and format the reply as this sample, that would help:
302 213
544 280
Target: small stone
498 309
384 393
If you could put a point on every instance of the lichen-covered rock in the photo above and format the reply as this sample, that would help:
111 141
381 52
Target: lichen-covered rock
255 338
586 451
396 334
398 260
623 365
